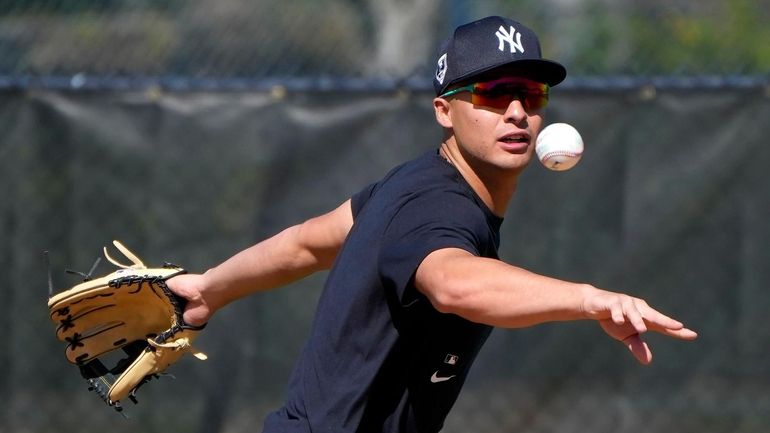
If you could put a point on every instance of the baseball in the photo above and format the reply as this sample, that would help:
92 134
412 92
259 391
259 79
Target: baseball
559 146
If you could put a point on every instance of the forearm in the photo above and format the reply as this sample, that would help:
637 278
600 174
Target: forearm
279 260
272 263
495 293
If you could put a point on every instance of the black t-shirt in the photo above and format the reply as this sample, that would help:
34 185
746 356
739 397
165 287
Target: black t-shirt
379 357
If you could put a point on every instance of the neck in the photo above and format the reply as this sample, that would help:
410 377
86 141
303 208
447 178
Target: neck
494 186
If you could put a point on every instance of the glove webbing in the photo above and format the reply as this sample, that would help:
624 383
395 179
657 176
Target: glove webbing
100 378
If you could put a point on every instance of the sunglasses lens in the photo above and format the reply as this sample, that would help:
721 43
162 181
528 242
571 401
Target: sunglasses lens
500 93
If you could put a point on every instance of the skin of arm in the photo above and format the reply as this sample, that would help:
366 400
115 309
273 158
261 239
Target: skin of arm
498 294
288 256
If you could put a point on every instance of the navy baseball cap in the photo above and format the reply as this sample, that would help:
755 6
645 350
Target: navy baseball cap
491 43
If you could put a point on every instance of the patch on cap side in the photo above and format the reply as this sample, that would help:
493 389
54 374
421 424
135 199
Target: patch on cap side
441 68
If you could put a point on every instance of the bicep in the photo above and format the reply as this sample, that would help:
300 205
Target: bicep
489 291
323 235
438 276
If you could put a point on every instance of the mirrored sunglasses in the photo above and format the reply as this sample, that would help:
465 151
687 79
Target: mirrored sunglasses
499 93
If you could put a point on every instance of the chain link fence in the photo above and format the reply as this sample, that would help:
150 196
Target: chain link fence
392 39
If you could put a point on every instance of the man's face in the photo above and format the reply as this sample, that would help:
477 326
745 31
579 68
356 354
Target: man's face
495 122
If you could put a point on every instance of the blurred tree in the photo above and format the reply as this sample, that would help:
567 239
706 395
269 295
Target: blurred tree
726 37
665 37
404 36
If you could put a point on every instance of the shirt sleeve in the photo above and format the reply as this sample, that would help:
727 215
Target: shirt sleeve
360 198
426 225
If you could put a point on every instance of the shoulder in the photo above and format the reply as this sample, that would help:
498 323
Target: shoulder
420 177
426 177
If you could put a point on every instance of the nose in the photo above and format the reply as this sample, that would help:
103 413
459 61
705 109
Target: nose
515 113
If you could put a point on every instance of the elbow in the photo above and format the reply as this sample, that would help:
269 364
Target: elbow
447 303
447 294
450 302
293 253
307 252
449 279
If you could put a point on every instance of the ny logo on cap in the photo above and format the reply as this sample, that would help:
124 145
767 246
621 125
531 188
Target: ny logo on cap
504 36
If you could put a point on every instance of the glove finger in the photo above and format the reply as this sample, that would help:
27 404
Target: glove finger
151 362
132 310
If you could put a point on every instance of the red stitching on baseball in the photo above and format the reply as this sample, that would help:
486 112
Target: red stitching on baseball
560 153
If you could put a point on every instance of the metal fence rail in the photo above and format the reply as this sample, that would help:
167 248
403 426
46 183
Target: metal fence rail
81 82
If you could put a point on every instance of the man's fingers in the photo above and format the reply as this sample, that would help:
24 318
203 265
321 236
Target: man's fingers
659 319
616 311
682 333
639 348
196 316
630 317
640 315
661 323
635 316
196 311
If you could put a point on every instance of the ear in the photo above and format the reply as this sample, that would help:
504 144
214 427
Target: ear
442 110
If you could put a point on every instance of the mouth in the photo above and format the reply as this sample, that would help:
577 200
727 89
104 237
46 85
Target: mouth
516 141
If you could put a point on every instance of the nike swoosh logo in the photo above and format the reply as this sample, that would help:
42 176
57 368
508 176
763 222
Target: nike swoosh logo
437 379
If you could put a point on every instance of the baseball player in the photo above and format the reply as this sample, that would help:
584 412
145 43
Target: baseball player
415 283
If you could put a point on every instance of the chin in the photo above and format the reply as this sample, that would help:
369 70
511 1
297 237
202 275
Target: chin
514 164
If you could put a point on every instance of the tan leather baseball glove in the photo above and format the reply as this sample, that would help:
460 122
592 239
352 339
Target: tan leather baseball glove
129 310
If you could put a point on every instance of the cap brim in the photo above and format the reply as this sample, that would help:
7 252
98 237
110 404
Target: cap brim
541 70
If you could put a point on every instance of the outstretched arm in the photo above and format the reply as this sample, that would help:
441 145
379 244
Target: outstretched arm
290 255
498 294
